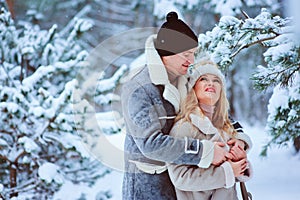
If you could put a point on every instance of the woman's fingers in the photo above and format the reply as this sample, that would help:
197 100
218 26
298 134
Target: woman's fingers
237 153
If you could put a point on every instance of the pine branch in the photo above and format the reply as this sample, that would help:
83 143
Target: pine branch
27 186
237 43
285 82
9 78
71 24
4 158
245 14
19 156
251 44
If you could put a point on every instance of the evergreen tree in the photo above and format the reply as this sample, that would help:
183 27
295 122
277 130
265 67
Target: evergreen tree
41 145
232 35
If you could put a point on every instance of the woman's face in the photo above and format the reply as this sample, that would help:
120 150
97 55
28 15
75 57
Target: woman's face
178 64
208 89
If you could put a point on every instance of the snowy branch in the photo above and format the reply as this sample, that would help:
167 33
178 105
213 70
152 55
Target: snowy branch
245 46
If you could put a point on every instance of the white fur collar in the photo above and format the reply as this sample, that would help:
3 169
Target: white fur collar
157 70
159 76
203 124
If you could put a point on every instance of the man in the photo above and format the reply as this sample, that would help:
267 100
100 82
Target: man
150 102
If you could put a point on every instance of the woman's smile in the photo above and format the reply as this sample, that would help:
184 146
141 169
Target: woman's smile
210 89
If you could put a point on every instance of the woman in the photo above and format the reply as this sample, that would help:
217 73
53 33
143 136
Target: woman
204 116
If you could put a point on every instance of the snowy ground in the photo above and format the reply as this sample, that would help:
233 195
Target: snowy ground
276 177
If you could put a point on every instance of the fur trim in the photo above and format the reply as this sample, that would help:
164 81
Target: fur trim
249 174
203 124
207 155
158 74
244 137
229 175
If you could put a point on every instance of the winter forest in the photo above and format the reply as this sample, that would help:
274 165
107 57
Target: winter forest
62 65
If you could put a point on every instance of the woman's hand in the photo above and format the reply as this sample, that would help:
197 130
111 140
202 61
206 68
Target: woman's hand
239 167
237 153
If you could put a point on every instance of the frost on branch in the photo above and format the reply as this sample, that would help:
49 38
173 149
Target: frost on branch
282 61
39 142
284 114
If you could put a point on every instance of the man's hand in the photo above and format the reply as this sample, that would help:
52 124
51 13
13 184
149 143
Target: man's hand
237 149
220 154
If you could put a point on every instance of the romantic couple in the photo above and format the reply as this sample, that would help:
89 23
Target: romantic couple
180 142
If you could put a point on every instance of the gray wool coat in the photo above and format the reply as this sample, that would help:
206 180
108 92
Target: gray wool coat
149 117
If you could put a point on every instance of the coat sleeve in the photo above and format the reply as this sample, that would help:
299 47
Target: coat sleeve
185 129
192 178
140 109
247 174
240 134
199 178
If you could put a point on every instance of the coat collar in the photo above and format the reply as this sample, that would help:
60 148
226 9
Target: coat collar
157 70
203 123
159 76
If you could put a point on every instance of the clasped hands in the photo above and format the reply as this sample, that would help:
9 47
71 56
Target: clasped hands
236 156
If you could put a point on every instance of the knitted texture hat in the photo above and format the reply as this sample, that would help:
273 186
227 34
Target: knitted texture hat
204 66
174 36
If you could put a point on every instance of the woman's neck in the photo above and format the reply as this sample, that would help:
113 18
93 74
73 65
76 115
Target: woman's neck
208 110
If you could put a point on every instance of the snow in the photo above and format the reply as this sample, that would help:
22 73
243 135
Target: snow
229 7
3 142
279 99
10 106
162 7
293 10
29 144
50 172
40 73
275 177
111 182
110 83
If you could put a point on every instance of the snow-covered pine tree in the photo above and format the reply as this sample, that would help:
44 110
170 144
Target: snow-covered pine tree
40 148
232 35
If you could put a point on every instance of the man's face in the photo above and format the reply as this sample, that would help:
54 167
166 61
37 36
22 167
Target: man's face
178 64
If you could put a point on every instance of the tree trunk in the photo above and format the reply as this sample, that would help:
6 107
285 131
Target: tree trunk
10 6
13 178
297 143
231 96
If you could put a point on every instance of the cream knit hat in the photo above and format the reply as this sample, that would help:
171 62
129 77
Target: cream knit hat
201 67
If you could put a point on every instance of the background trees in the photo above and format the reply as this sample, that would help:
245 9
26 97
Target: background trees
40 147
48 42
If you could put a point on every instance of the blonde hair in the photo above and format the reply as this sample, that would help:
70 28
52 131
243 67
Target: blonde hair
220 116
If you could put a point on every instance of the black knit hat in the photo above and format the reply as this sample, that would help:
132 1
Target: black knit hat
174 36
